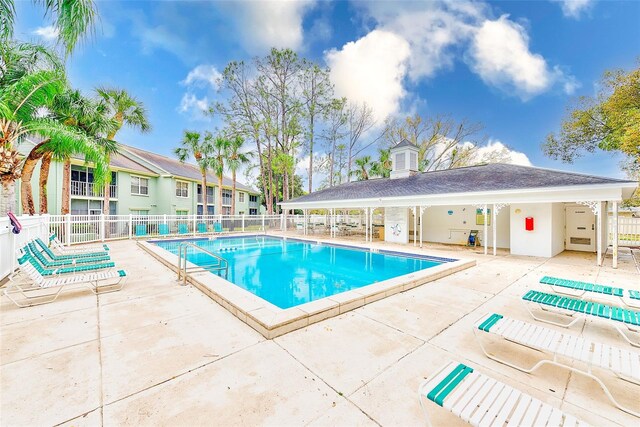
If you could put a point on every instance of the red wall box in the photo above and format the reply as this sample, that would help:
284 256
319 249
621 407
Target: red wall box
528 223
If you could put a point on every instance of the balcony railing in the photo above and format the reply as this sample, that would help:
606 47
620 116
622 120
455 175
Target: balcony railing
210 199
86 189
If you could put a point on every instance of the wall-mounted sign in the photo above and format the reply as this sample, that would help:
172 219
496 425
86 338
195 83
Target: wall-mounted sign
450 212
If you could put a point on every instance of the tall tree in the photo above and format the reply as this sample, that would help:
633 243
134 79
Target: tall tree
334 131
125 110
200 147
72 19
317 94
610 121
359 121
443 142
236 159
219 156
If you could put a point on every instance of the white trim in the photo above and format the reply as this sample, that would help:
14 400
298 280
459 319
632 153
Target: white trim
139 186
176 189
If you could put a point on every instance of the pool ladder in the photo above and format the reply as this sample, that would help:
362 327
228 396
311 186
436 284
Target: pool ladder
221 264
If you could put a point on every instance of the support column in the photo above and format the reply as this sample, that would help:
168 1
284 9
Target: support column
599 233
486 229
366 224
614 231
415 225
371 224
422 209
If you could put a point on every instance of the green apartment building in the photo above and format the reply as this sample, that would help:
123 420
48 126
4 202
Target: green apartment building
145 183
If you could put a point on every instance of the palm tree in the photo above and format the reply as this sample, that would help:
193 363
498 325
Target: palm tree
200 147
382 166
118 105
235 161
219 156
361 173
72 19
73 109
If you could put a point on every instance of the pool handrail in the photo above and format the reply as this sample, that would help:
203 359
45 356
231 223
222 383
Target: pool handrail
221 265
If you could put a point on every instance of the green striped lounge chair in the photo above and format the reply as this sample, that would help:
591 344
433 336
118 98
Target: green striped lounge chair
163 229
31 293
93 256
583 353
581 289
580 309
483 401
49 263
217 227
62 249
32 259
202 227
141 230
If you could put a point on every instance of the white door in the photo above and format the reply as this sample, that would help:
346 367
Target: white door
581 229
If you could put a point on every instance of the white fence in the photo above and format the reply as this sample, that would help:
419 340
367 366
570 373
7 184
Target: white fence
32 227
628 231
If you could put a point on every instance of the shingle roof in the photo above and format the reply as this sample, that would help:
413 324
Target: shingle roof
120 161
405 143
182 170
490 177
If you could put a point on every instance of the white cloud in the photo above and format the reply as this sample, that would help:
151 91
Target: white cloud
371 70
574 8
496 152
194 106
264 24
500 55
203 74
49 33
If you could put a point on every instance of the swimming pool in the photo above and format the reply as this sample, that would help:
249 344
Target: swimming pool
290 272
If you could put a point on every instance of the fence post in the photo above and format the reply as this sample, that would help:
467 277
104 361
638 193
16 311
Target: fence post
102 227
263 229
130 225
164 219
243 223
615 234
67 237
195 216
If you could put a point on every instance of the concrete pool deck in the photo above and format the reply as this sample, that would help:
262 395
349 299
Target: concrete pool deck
157 353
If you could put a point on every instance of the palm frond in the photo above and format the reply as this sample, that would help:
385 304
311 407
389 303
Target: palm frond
73 18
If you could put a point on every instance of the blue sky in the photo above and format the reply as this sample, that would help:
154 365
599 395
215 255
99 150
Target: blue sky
514 66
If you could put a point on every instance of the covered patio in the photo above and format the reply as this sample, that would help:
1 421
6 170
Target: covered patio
529 211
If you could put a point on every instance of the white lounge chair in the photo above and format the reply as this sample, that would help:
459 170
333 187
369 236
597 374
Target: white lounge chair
624 363
577 309
482 401
34 283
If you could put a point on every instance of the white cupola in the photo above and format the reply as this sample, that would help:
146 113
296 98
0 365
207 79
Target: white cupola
404 159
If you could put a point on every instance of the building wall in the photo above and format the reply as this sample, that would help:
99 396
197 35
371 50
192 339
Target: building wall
440 226
547 237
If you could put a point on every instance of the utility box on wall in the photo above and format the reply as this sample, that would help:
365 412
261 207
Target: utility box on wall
528 223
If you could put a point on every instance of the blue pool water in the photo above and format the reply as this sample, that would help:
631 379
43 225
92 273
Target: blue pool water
290 272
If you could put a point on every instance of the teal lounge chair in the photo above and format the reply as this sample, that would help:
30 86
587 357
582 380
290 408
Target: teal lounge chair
202 227
92 255
163 229
27 256
31 248
217 227
65 250
183 229
578 289
571 307
141 229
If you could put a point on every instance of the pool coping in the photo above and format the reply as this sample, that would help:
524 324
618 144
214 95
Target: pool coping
272 321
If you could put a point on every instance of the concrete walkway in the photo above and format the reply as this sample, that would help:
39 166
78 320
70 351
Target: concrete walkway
157 353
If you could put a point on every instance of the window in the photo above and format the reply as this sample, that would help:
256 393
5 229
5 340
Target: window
210 194
413 161
210 210
253 211
241 197
182 189
400 160
226 210
139 186
253 198
226 197
182 212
